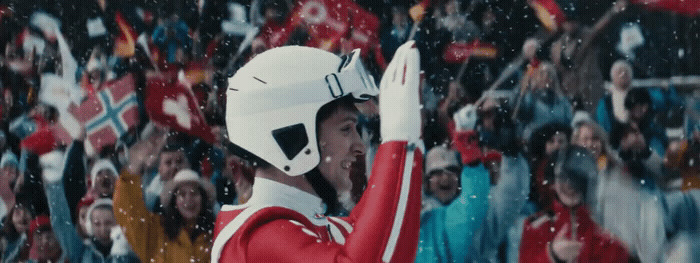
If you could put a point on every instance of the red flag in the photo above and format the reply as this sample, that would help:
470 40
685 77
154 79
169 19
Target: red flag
42 140
418 11
326 22
173 104
125 43
549 13
365 29
685 7
458 52
110 113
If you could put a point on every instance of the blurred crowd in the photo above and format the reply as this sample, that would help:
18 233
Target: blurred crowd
538 146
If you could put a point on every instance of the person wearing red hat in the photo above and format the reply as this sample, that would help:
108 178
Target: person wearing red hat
44 245
291 110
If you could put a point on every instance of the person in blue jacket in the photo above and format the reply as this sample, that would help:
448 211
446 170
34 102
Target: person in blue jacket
454 205
105 243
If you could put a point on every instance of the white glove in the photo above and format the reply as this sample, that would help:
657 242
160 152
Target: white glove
120 247
52 166
399 101
465 118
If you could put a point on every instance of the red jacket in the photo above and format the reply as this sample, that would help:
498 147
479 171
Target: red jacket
283 224
541 229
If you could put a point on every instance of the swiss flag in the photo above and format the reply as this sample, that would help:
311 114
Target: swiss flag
172 103
108 114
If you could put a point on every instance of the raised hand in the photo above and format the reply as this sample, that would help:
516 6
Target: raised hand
399 96
565 248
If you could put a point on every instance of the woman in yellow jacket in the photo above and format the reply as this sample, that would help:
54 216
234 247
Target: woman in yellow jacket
183 232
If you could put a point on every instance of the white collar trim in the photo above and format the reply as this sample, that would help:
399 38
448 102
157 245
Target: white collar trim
271 193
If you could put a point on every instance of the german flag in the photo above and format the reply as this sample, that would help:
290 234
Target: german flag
549 13
125 43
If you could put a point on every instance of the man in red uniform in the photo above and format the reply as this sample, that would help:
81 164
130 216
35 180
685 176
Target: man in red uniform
291 111
566 232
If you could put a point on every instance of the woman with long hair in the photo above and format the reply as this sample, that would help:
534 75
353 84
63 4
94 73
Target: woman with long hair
183 232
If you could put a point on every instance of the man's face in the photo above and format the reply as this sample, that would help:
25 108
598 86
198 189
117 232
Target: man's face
171 163
340 145
443 184
188 201
104 183
589 140
102 222
46 245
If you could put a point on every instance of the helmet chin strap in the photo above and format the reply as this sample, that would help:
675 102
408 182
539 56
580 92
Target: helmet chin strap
325 190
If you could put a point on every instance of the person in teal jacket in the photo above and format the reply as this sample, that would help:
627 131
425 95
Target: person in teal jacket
449 222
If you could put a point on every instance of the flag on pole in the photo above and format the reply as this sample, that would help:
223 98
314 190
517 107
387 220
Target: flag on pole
125 43
549 13
109 114
172 104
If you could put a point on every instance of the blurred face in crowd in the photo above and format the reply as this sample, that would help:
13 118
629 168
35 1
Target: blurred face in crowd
104 183
555 143
638 111
102 220
443 184
188 201
544 79
340 145
633 141
621 75
46 245
82 218
589 140
9 172
567 194
21 219
170 163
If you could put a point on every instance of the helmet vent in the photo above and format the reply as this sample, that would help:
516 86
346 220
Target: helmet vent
291 139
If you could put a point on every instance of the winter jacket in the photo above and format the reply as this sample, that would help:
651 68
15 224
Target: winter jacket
542 107
541 229
145 232
446 232
280 223
12 248
632 210
508 197
72 245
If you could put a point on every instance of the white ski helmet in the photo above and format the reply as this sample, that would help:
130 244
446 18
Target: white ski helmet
272 102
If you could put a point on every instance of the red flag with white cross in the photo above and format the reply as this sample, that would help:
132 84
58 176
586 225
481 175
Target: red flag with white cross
172 103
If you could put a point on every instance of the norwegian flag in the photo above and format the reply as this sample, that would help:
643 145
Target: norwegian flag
172 103
108 114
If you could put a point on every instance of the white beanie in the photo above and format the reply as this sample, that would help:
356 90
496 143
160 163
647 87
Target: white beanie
99 202
100 165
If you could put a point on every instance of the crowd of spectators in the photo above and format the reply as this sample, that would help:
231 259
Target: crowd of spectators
538 146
